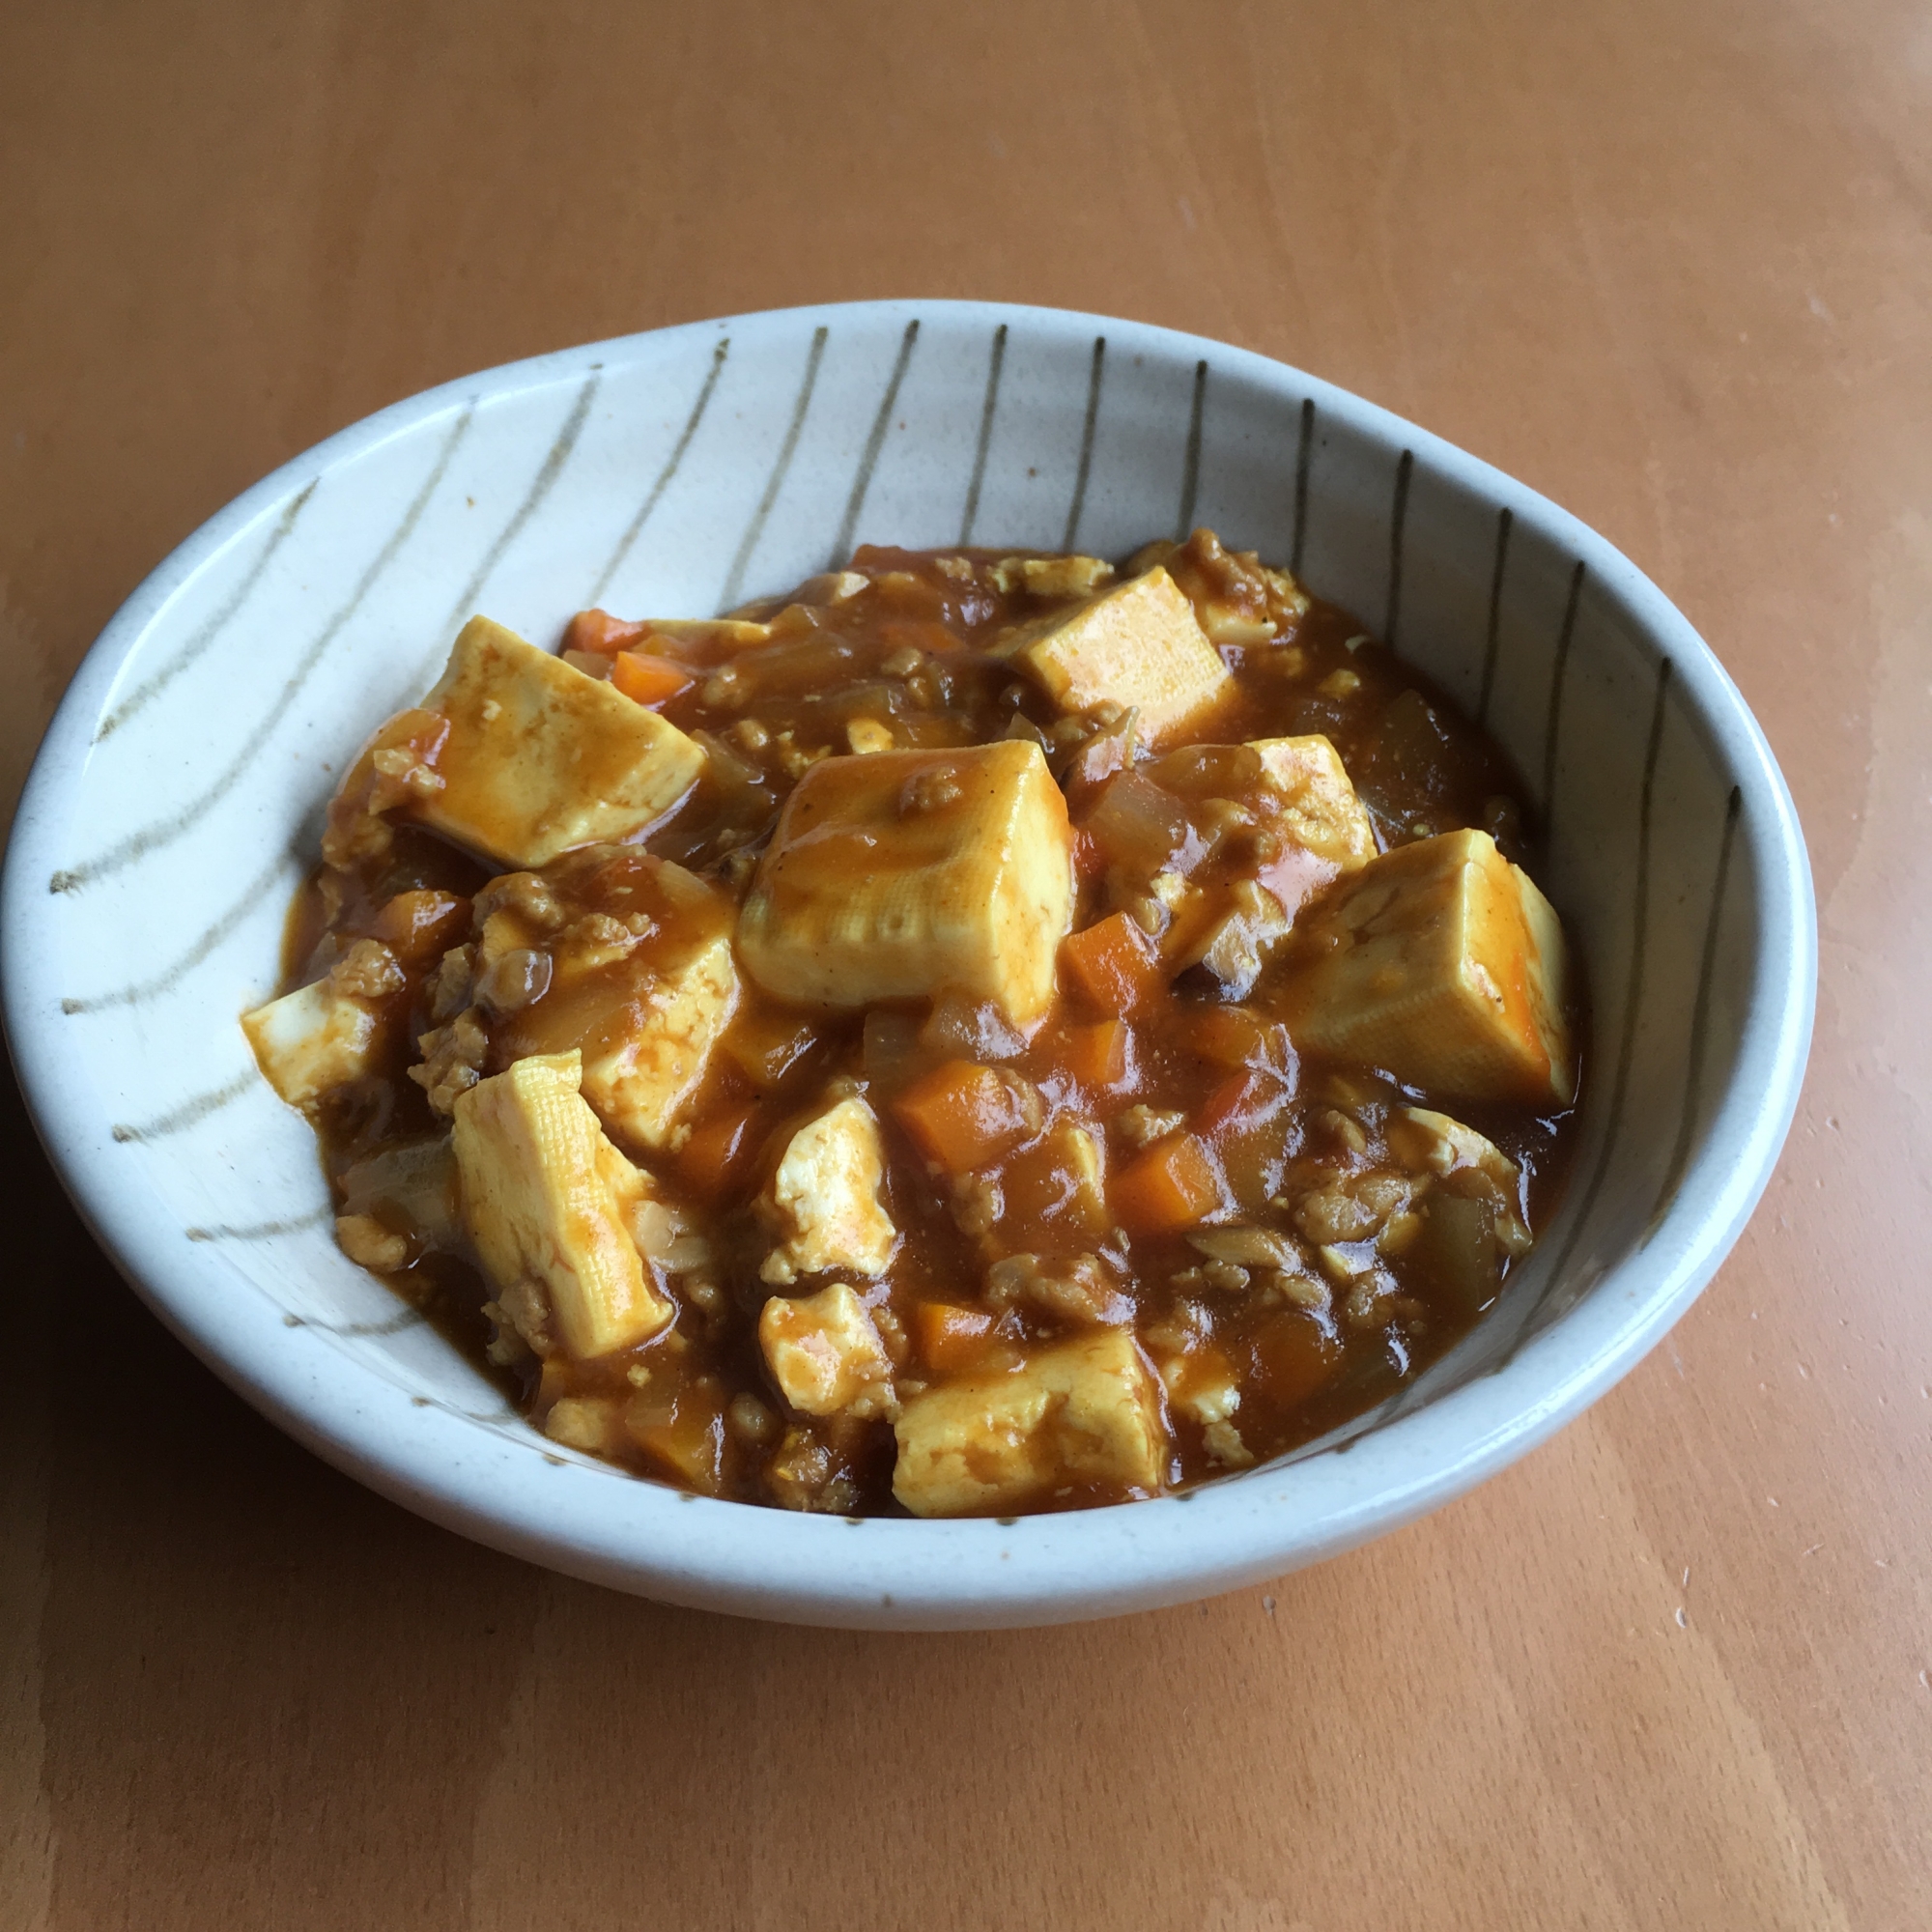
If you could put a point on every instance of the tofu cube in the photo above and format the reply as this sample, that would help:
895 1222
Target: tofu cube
312 1040
1442 964
1083 1415
1321 811
647 1008
645 1070
1138 644
826 1355
539 758
824 1199
547 1202
910 874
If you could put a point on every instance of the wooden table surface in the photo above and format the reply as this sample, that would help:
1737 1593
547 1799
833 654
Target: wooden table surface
1669 262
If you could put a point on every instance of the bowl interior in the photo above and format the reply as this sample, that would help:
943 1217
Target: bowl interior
677 472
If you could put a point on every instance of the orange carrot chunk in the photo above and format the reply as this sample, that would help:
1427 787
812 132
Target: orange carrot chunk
1097 1056
951 1338
1235 1100
600 631
648 679
1169 1187
963 1115
1231 1037
1111 964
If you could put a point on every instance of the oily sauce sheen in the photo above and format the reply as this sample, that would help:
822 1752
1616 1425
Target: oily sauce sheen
1005 1246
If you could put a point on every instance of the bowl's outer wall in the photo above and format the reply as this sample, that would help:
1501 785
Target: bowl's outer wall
180 788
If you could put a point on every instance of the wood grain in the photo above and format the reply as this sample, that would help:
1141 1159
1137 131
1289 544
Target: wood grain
1668 263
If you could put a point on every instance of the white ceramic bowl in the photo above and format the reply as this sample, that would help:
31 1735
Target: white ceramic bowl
179 793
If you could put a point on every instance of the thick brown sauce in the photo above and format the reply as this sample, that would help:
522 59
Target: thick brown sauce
911 650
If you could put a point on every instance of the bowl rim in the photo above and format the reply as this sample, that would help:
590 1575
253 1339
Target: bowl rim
645 1538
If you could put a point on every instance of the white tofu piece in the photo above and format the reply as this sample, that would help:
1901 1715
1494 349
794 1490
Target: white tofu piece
641 1081
547 1202
1320 810
647 1012
312 1040
1442 964
824 1199
908 873
1083 1414
826 1355
540 757
1201 1384
1138 644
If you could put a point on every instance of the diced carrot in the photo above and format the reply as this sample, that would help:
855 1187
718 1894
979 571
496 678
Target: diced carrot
1229 1036
1097 1056
1293 1357
648 679
963 1115
684 1433
1111 964
951 1338
1169 1187
418 926
1235 1100
717 1151
600 631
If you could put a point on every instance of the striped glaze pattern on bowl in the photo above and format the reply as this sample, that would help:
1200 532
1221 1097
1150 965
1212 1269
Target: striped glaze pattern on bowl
178 799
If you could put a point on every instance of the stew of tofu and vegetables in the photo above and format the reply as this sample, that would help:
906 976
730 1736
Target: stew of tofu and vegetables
979 1034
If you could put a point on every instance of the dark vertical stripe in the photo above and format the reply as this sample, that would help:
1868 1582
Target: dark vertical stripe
205 633
1304 455
1700 1014
995 363
1633 993
734 581
1504 522
1398 519
170 977
1087 429
261 1231
547 471
405 1318
165 831
1190 468
664 475
188 1112
1557 673
868 459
